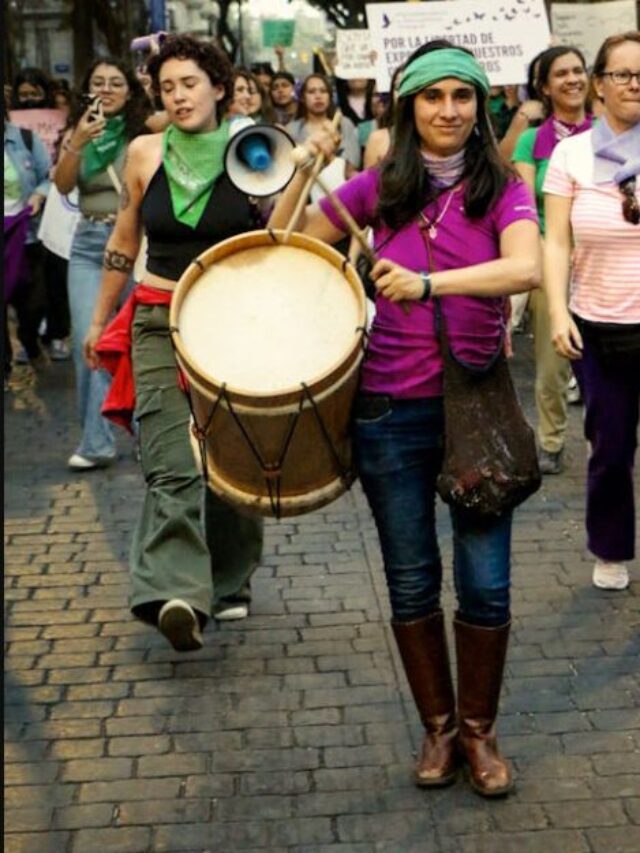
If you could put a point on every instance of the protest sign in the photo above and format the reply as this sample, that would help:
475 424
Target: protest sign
277 32
504 37
354 53
587 25
48 124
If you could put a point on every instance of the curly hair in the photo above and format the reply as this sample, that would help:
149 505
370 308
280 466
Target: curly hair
405 186
136 110
213 61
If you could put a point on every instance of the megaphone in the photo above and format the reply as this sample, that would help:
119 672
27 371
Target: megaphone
258 158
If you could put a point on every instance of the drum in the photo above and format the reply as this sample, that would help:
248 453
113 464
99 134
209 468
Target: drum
270 336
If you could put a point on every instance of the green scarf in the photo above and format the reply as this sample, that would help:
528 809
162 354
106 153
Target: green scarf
438 64
101 152
193 163
497 104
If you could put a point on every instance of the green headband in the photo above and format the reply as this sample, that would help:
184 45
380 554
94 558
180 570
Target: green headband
438 64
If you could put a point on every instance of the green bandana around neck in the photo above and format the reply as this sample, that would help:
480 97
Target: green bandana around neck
438 64
101 152
193 163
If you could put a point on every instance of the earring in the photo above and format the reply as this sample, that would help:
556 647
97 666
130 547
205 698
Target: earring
476 130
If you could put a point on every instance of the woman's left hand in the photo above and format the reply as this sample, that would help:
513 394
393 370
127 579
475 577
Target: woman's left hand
35 203
395 282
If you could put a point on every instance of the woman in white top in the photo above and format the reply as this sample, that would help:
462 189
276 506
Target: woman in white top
592 251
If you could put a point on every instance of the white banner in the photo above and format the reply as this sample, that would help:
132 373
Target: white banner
504 36
58 222
354 54
587 25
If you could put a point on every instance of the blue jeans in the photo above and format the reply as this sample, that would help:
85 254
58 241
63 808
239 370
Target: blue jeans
398 447
85 274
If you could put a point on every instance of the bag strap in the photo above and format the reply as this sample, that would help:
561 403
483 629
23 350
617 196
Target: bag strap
386 240
27 138
115 180
423 228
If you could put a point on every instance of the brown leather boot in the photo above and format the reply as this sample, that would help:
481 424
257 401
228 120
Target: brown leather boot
423 649
481 654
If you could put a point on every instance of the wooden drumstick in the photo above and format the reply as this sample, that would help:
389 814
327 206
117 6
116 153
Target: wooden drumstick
353 227
301 158
347 218
300 155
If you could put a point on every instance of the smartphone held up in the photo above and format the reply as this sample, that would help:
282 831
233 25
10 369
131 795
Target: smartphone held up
93 103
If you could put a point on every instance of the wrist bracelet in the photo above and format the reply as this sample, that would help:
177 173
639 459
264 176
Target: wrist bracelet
426 283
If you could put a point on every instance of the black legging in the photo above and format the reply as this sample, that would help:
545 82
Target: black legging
29 301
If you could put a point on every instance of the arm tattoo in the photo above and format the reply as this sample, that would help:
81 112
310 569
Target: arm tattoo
117 261
125 198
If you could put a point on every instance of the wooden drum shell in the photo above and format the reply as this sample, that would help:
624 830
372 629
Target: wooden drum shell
283 425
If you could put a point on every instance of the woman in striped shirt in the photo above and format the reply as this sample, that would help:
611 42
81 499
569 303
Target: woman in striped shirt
593 221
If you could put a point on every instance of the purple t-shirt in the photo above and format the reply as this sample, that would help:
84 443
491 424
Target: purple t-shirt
403 356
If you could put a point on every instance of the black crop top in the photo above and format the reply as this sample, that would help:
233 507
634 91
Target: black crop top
172 244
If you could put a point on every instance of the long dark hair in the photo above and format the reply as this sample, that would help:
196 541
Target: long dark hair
137 108
302 108
342 97
405 186
545 62
267 112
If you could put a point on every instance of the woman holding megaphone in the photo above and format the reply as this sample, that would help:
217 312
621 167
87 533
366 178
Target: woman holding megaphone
176 189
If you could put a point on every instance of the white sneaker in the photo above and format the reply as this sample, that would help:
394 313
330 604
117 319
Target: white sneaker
178 622
59 350
573 392
77 462
610 575
231 612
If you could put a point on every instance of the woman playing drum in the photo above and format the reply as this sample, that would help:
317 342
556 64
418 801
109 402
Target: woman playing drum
456 224
176 188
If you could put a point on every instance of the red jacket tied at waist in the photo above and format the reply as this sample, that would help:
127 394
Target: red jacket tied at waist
114 351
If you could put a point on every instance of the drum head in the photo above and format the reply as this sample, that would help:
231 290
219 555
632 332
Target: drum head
269 317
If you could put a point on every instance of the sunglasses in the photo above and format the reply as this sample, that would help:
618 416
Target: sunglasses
630 206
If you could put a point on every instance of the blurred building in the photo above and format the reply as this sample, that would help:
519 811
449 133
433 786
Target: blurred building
64 36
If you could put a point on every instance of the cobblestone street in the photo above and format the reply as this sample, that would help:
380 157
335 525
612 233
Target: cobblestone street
293 730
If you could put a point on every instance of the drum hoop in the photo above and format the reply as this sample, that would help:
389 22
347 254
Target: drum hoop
207 384
275 410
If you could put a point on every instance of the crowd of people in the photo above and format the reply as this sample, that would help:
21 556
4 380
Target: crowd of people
480 202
